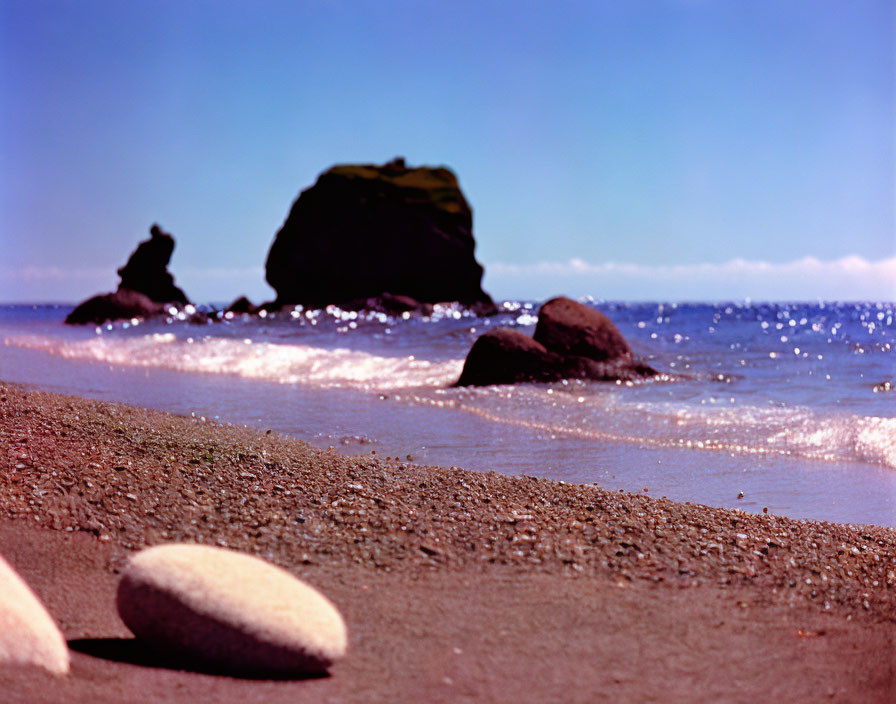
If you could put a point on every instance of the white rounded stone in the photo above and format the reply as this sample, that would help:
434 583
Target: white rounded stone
28 634
229 610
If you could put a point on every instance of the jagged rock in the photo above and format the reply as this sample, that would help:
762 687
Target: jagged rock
120 305
28 634
579 346
364 230
228 610
570 328
146 287
147 272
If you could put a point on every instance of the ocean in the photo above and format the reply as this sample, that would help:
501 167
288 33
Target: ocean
784 407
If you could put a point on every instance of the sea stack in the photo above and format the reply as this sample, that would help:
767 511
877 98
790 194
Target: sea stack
147 269
363 231
571 341
146 288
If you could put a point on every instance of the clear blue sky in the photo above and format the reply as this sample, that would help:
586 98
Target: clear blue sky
653 142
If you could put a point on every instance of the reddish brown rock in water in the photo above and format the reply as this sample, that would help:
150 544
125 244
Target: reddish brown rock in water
575 342
570 328
505 356
364 230
146 288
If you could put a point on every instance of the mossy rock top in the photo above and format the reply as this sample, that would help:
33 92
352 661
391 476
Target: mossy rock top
438 184
365 230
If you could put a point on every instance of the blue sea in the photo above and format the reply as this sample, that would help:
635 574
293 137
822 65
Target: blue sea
785 407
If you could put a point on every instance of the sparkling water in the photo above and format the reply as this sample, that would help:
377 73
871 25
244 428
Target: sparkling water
792 405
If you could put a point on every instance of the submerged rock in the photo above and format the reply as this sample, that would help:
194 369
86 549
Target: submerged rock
363 231
146 287
28 634
221 608
571 341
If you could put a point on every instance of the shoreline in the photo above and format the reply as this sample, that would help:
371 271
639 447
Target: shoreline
127 477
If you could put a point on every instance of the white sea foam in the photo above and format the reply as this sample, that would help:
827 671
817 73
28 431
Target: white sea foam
593 412
280 363
876 440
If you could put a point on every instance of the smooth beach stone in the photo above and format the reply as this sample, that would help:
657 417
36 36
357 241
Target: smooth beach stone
229 610
28 634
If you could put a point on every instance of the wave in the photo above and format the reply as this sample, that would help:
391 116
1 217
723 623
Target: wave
577 412
250 359
580 410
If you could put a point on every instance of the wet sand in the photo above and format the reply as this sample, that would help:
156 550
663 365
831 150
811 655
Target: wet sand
456 586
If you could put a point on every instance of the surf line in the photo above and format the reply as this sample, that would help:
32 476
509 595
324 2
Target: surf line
584 433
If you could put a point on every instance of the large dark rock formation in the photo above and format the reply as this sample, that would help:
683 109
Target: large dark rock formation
363 231
571 341
146 288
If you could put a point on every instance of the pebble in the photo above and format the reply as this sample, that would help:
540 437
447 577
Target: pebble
28 634
320 519
230 610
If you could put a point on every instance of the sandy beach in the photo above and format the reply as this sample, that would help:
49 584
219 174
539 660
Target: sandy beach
456 586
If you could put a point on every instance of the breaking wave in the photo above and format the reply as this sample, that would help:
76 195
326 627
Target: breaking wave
583 410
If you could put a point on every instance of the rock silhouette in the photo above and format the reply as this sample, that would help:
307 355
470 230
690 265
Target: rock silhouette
147 288
147 269
362 231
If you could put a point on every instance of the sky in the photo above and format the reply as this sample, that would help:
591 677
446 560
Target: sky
665 150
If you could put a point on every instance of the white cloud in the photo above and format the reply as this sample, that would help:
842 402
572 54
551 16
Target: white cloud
39 284
32 274
848 278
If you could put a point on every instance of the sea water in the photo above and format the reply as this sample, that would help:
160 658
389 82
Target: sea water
788 407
